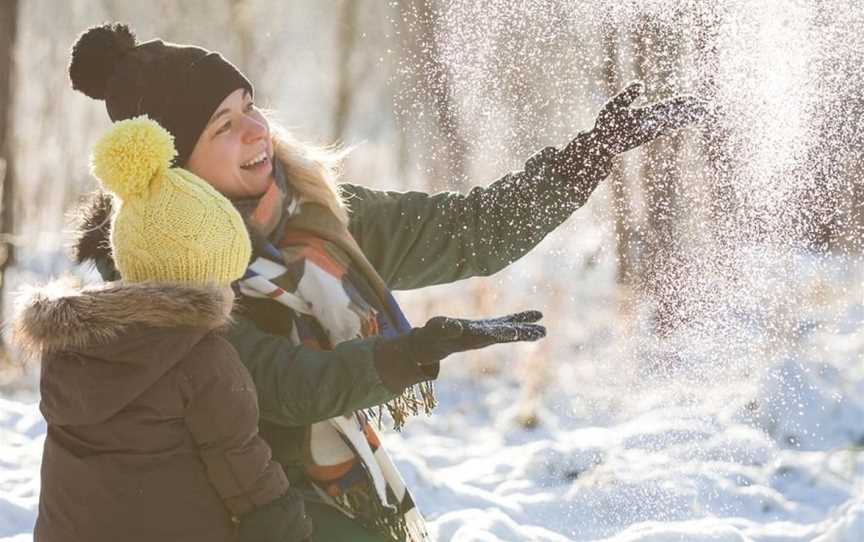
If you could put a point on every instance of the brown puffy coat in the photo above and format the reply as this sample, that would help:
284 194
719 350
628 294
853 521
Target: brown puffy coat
152 419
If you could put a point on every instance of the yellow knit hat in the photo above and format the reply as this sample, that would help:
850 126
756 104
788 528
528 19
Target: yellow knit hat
169 225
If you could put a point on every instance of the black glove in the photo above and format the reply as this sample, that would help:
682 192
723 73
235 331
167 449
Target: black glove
283 520
620 127
587 159
442 336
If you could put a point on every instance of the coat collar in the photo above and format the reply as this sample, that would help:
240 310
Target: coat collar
60 316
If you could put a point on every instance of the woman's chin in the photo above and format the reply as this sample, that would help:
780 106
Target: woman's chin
256 182
261 185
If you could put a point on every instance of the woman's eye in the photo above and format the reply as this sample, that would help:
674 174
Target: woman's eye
250 107
224 128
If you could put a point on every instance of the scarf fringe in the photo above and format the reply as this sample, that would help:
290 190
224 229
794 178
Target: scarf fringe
414 400
373 515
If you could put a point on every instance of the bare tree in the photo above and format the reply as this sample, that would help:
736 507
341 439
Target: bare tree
829 208
8 26
428 79
624 232
719 164
657 58
346 36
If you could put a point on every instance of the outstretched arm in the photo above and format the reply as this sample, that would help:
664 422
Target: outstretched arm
415 239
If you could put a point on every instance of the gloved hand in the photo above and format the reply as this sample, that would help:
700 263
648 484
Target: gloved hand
283 520
620 127
587 159
442 336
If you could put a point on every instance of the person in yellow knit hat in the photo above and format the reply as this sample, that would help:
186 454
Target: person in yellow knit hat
170 225
152 418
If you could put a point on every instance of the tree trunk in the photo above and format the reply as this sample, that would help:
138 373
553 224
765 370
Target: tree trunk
656 60
829 208
618 181
346 43
430 81
719 165
8 26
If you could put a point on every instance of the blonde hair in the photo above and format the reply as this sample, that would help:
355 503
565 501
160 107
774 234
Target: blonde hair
311 170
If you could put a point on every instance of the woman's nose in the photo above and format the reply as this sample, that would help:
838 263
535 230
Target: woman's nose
253 129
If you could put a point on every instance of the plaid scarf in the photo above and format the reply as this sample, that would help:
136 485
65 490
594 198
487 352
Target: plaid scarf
308 261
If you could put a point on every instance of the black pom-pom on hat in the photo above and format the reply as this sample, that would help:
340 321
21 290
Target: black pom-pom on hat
95 57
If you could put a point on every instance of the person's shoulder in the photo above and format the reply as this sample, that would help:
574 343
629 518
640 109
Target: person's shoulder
211 364
213 346
356 196
361 198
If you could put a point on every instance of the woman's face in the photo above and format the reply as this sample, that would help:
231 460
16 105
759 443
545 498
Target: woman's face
234 152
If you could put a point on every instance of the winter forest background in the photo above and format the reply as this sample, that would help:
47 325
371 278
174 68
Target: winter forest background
702 378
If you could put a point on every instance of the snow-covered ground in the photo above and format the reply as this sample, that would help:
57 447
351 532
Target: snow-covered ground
755 432
22 431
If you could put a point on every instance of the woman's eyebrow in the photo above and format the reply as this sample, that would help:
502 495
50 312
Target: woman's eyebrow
225 110
215 116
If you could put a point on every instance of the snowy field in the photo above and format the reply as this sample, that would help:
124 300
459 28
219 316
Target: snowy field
752 431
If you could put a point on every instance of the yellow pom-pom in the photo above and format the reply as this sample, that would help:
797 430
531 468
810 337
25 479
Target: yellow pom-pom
131 155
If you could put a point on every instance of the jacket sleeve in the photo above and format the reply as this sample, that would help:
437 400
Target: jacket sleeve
414 239
298 385
222 416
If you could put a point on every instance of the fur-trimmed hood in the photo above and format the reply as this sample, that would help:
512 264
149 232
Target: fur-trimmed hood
92 229
60 316
103 346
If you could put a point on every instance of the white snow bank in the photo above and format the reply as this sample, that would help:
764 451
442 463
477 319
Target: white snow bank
22 432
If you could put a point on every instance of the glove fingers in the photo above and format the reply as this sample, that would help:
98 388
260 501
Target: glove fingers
524 316
654 120
484 334
670 114
530 332
626 97
683 110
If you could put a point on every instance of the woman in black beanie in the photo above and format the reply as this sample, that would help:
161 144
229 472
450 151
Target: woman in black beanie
319 331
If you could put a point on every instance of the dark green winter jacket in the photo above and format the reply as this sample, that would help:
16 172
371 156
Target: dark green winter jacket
413 239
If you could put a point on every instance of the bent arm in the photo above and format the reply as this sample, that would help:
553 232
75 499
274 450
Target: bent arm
298 385
222 416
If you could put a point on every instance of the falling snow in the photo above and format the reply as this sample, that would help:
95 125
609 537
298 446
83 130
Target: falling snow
726 404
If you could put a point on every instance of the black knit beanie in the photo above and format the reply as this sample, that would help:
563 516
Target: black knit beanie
179 86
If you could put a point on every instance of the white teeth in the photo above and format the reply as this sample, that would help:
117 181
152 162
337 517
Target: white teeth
260 158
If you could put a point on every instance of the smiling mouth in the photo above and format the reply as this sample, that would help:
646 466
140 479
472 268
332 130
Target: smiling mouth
257 161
